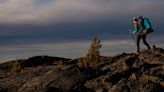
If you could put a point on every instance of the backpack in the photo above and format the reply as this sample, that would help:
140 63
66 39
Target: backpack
147 25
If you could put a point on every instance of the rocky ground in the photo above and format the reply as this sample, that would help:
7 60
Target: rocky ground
127 72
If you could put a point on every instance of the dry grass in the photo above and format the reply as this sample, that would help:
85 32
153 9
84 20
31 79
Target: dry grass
162 83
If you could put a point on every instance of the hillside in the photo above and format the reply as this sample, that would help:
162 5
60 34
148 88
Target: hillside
127 72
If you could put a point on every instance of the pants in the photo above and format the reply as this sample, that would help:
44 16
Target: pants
143 37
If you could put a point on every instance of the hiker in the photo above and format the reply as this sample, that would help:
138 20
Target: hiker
141 30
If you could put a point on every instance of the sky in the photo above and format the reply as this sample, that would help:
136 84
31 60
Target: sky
55 27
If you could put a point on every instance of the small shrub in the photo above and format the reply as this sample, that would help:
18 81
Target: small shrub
61 62
16 67
92 58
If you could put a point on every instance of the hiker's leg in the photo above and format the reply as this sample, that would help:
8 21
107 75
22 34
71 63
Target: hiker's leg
138 43
145 42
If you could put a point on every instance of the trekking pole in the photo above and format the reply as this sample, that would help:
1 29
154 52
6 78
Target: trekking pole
132 37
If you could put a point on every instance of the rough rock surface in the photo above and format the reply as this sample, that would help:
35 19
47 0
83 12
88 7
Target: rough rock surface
126 72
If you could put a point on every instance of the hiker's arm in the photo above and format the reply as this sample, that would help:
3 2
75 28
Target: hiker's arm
135 29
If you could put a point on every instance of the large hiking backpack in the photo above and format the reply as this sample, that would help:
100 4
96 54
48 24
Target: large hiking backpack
147 25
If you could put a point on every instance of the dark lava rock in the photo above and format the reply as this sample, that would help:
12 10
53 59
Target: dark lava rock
121 73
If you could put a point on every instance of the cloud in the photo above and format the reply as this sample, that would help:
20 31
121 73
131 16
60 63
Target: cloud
36 21
54 22
58 11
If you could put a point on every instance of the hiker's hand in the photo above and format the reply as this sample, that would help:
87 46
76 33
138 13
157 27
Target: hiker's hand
133 32
144 31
